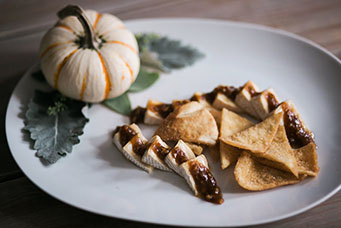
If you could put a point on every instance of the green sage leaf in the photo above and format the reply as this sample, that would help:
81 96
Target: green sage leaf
144 80
55 123
165 54
119 104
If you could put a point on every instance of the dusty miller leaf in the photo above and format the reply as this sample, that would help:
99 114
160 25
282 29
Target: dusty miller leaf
144 80
54 123
119 104
165 54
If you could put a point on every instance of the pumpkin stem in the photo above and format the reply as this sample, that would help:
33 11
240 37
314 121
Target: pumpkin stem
74 10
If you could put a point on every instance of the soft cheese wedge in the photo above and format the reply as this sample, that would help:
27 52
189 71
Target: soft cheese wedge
221 101
130 141
179 154
156 111
264 103
200 179
155 153
191 122
243 98
123 134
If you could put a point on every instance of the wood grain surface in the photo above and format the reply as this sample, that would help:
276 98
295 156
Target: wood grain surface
22 24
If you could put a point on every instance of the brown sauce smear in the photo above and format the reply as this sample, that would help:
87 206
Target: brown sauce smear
205 183
229 91
252 91
160 150
179 155
126 134
178 103
296 133
137 115
163 109
272 101
139 147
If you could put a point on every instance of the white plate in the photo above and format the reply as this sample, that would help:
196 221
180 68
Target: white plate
95 176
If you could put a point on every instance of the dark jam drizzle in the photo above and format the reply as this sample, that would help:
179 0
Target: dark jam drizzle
205 183
296 133
252 91
179 155
229 91
138 146
126 134
272 101
137 115
160 150
178 103
163 109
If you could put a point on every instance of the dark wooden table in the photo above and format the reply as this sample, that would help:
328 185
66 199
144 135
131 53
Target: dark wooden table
22 23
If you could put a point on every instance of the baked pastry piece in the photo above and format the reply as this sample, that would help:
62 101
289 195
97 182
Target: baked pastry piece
192 123
156 153
197 150
200 179
243 98
202 99
264 103
231 123
258 137
280 155
130 141
307 160
254 176
179 154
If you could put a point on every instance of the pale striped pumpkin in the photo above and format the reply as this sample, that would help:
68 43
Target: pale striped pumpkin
89 56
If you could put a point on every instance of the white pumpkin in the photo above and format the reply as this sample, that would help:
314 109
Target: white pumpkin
89 56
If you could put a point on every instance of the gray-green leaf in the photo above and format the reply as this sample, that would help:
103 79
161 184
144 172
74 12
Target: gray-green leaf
54 132
143 81
119 104
155 49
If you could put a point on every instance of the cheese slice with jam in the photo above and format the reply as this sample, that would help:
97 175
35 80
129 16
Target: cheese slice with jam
179 154
156 153
200 179
132 144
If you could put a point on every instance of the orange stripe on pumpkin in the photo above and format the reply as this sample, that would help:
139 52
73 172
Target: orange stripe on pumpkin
122 43
129 68
83 86
96 20
107 78
64 27
59 68
52 46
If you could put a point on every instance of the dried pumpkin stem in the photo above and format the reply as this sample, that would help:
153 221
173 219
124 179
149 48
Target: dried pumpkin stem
74 10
